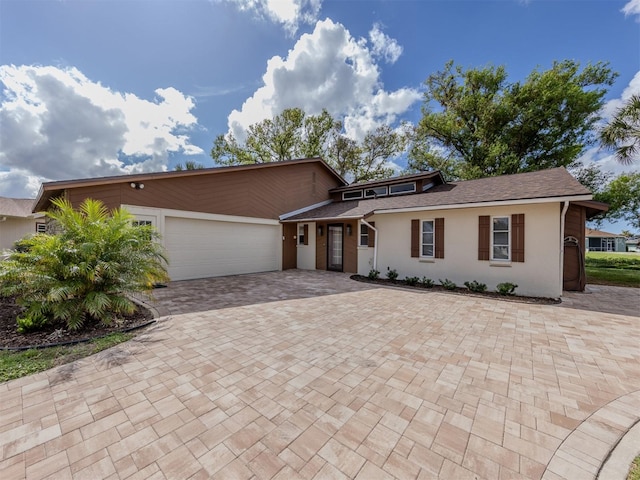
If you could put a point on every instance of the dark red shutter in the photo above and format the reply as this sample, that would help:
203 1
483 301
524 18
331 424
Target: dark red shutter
517 237
484 232
415 238
439 240
372 235
306 234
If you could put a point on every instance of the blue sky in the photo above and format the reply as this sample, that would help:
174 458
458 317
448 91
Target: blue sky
95 88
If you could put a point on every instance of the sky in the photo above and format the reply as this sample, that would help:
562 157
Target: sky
93 88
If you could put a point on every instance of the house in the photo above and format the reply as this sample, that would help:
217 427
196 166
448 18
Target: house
17 220
632 245
598 241
302 214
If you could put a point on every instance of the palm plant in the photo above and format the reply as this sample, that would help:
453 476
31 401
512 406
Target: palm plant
84 272
623 132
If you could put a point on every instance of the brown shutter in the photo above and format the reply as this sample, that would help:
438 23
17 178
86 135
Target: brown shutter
517 237
306 234
372 235
484 232
415 238
439 240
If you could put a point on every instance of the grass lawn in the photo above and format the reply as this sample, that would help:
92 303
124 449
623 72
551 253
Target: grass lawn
18 364
634 473
619 269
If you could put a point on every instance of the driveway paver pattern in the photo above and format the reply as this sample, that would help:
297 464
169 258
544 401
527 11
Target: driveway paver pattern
317 376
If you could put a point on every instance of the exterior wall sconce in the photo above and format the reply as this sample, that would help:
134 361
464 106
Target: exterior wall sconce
319 230
349 229
137 185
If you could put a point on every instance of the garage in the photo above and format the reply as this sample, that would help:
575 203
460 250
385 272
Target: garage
199 248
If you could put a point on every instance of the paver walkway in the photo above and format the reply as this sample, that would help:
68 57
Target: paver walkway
340 380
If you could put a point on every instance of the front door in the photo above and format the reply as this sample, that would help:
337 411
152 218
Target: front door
289 251
334 247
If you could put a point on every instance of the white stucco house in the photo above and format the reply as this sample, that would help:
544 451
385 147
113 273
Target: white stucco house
17 220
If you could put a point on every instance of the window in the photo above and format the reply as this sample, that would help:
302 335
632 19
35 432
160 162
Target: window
427 186
427 241
41 228
301 234
352 195
375 192
500 238
142 223
402 188
364 236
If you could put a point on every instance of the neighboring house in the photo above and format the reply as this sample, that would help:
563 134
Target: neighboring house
301 214
17 221
632 245
598 241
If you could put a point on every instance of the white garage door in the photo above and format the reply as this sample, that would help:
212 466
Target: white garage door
207 248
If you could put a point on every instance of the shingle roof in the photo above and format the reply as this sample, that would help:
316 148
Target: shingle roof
589 232
555 182
16 207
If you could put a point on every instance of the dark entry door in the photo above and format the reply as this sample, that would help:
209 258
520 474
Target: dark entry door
335 248
289 252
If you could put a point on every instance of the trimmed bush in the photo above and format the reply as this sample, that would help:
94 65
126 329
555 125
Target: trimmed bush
412 281
476 286
426 282
448 284
392 274
373 274
506 288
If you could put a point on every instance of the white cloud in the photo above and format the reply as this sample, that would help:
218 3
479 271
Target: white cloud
632 8
328 69
58 124
609 108
288 13
383 45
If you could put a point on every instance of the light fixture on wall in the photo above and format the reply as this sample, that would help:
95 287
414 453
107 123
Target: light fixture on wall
319 230
137 185
349 229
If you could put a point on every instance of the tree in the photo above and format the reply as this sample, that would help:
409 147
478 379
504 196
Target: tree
622 134
85 271
623 196
188 165
487 126
294 134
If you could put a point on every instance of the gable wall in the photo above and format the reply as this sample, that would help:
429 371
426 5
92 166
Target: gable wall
262 193
538 275
13 229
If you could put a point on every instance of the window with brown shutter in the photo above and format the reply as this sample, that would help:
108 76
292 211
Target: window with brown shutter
415 238
517 237
439 247
484 235
372 236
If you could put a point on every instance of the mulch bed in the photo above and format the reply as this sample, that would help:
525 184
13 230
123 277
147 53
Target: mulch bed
57 333
459 291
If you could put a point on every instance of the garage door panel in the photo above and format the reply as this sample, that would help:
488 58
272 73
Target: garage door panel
206 248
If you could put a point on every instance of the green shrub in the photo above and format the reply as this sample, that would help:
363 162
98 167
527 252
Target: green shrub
373 274
86 270
506 288
448 284
412 281
476 286
392 274
427 282
603 260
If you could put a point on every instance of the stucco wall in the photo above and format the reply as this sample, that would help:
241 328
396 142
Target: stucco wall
307 253
538 275
13 229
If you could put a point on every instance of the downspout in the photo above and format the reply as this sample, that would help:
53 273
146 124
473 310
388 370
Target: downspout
375 245
562 220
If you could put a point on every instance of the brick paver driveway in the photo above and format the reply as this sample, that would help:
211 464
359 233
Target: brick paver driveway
311 375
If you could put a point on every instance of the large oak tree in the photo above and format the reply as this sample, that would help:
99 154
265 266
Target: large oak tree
475 123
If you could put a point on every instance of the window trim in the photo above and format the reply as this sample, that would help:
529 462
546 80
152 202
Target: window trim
352 192
491 239
41 227
433 238
413 185
374 195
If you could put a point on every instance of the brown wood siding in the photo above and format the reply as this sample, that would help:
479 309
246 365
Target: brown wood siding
573 269
350 250
263 193
321 247
484 233
415 238
439 240
372 236
517 237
